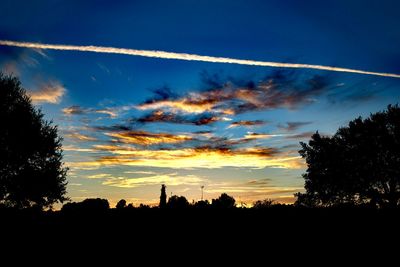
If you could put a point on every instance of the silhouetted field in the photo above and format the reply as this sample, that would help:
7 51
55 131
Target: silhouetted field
223 234
155 221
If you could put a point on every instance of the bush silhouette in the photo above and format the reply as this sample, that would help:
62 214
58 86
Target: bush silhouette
202 204
224 201
87 205
179 202
262 204
31 170
121 204
359 165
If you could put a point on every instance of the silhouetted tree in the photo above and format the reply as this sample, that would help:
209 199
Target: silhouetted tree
262 204
201 204
121 204
224 201
31 168
87 205
163 197
179 202
360 164
144 206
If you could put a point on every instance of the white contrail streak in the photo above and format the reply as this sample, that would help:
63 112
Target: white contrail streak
184 56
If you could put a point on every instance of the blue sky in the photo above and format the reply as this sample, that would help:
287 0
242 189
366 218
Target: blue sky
131 123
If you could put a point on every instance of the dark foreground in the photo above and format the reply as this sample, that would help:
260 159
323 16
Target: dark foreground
206 231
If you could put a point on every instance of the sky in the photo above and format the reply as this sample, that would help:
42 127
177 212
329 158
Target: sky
132 123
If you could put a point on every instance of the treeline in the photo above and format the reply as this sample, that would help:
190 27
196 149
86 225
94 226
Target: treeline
224 201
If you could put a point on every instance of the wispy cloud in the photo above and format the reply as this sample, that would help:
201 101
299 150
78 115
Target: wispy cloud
73 148
293 125
252 135
171 179
51 92
278 90
148 138
302 136
74 110
172 117
246 123
184 56
201 157
75 136
78 110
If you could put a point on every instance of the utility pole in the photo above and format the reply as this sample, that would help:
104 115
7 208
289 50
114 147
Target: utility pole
202 187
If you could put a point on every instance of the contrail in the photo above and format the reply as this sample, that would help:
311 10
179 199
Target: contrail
184 56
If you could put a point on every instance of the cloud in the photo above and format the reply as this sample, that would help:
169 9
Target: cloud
80 137
184 56
108 111
16 61
73 148
294 125
279 90
247 123
260 182
111 128
51 92
171 117
140 172
98 176
78 110
74 110
200 157
302 136
251 135
171 179
11 68
148 138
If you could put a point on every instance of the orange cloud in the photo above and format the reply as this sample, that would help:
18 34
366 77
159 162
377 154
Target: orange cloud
80 137
147 138
48 93
275 91
251 135
171 179
192 158
184 104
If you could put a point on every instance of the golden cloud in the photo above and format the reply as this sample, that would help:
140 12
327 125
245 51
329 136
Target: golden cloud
147 138
251 135
48 93
80 137
184 104
192 158
171 179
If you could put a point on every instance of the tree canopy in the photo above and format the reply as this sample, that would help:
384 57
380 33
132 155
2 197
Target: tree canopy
31 168
179 202
224 201
358 165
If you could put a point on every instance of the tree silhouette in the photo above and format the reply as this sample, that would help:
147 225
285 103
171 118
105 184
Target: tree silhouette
87 205
121 204
263 204
163 197
179 202
358 165
31 171
224 201
202 204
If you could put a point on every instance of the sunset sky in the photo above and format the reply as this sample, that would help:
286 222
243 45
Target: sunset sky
132 123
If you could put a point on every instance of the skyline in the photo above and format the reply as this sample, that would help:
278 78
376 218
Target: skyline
132 123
